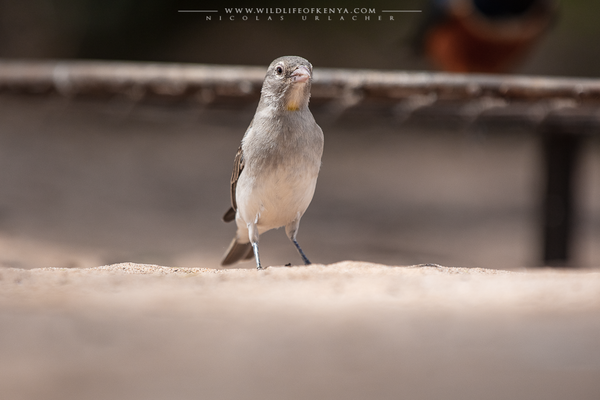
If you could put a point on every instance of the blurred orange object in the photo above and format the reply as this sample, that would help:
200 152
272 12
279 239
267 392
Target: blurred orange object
467 40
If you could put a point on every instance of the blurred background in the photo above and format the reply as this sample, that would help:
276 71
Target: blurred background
87 182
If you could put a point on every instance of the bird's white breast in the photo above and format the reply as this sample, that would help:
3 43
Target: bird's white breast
280 173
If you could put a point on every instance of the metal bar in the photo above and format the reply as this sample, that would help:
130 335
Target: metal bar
105 77
133 79
561 152
562 135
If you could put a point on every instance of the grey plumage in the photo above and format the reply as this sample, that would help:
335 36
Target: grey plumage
276 167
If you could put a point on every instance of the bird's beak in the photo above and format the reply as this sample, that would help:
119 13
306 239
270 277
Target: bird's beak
301 74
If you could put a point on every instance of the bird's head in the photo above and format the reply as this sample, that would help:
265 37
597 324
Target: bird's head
287 83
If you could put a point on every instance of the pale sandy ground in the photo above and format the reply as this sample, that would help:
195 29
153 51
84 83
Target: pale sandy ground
348 330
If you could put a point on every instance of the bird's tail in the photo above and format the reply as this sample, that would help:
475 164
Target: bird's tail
237 252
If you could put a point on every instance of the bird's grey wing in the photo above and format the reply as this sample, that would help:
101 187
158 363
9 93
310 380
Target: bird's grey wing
238 167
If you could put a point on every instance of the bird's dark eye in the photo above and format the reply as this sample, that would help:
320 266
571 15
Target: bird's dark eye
279 70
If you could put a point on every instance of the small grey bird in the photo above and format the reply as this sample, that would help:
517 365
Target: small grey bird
276 167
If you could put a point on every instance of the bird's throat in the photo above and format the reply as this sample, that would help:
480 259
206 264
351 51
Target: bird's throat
296 98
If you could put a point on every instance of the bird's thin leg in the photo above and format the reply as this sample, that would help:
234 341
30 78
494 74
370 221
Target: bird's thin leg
253 235
304 258
291 230
255 248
